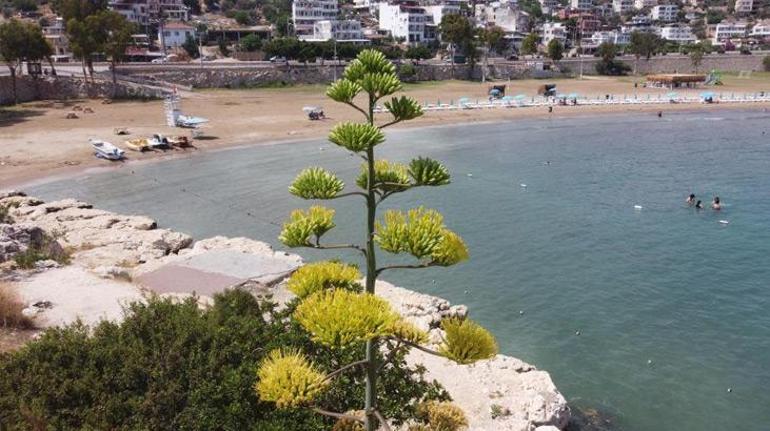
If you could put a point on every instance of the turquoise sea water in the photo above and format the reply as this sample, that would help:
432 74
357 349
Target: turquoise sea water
665 284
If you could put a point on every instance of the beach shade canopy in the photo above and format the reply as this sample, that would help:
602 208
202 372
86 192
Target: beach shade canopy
463 100
561 96
520 96
672 94
707 95
573 96
507 98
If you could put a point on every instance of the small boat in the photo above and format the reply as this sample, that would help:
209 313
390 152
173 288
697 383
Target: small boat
179 141
138 144
190 122
105 150
158 141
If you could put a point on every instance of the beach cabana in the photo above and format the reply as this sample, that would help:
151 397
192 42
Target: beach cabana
675 80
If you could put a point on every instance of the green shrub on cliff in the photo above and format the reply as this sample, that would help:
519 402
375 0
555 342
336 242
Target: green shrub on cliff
173 366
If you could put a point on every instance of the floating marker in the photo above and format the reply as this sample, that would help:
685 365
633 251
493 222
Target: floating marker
577 332
466 292
649 362
638 207
729 390
523 185
470 175
724 222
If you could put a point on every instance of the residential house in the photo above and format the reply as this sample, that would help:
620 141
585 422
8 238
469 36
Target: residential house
407 21
439 11
665 12
348 31
549 6
622 7
174 34
305 13
554 31
504 15
641 4
146 12
744 6
56 36
582 5
727 30
614 36
761 30
680 33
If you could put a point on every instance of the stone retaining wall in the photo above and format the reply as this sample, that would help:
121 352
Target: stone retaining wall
62 88
261 75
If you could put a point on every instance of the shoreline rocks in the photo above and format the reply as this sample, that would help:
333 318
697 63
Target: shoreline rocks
118 259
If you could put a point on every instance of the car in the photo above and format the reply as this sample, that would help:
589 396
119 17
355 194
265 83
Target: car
277 59
513 57
159 61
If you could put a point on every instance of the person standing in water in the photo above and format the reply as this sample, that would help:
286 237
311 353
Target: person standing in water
715 205
690 200
699 205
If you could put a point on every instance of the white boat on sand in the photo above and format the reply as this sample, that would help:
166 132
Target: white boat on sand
105 150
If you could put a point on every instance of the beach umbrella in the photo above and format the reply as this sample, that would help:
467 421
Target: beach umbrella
672 95
508 98
573 96
520 96
707 95
463 100
561 96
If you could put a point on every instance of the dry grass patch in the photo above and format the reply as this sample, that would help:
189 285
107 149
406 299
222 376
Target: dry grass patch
11 307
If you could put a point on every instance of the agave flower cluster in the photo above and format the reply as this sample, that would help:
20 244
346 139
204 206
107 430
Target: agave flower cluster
334 307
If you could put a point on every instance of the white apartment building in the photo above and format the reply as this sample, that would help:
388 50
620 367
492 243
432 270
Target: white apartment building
411 23
641 4
549 6
174 34
665 12
437 12
582 5
554 30
622 7
744 6
724 31
145 12
504 15
680 33
614 36
761 29
56 36
340 30
305 13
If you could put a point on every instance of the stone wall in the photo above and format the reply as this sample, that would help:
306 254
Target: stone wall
61 88
234 75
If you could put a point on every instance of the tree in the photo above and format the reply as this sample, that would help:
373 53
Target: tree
492 38
223 48
529 44
766 63
697 52
555 50
608 65
456 30
21 41
251 43
190 46
194 5
242 17
418 52
78 9
333 307
117 32
643 44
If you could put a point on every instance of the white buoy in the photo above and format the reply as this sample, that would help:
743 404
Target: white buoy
729 390
470 175
521 312
724 222
577 332
523 185
466 292
638 207
649 362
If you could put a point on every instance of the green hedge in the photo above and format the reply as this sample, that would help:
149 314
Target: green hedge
175 367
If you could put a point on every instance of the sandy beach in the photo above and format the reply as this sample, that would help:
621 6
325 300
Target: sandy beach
36 141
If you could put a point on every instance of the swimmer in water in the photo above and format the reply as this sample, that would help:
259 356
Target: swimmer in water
690 200
716 206
660 114
699 205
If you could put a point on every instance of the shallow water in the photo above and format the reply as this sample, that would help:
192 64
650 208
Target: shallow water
672 307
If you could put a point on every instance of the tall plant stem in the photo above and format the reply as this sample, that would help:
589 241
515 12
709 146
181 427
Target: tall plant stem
371 278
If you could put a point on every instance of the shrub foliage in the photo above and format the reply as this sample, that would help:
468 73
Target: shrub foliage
175 367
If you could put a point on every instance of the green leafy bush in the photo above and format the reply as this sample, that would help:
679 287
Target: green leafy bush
173 366
45 249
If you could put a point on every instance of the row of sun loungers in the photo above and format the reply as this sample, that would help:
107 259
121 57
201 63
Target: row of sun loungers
540 101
